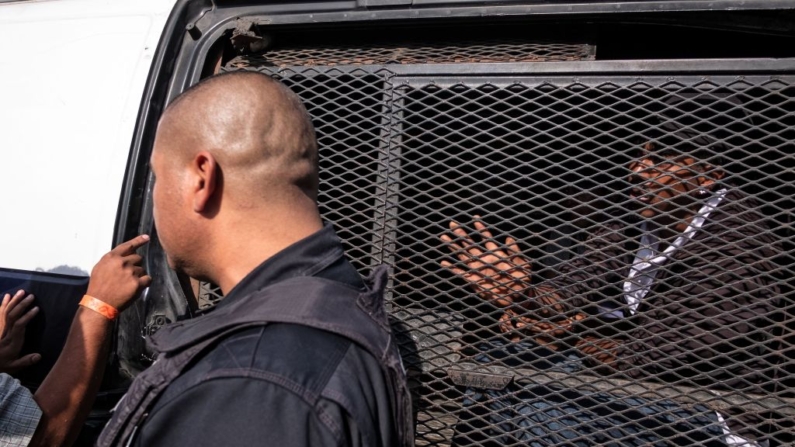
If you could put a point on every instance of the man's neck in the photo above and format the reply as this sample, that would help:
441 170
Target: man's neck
247 246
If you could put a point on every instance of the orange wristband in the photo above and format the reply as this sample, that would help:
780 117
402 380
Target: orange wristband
100 307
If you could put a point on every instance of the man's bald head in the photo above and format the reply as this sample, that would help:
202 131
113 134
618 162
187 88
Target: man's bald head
257 129
235 161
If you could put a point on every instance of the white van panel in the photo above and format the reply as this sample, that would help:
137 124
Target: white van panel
72 75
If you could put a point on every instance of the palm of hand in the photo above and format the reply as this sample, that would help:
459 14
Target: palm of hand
14 317
497 274
9 352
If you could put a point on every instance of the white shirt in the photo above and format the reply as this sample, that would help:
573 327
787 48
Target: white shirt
644 269
648 259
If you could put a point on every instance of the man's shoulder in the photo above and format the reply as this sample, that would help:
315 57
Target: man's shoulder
330 375
739 218
274 374
302 355
302 359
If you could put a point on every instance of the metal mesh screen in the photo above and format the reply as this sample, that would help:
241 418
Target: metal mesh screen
347 111
459 51
649 300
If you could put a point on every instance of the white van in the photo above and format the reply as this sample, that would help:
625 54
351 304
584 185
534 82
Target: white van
71 90
523 112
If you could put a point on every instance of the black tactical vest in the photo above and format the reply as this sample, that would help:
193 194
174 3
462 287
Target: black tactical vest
310 301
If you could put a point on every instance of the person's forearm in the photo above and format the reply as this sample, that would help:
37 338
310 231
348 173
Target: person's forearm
542 301
600 351
68 392
544 316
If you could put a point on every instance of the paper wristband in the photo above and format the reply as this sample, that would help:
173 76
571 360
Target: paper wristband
100 307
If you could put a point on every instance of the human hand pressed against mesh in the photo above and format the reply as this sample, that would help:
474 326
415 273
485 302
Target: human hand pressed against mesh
497 273
15 314
501 274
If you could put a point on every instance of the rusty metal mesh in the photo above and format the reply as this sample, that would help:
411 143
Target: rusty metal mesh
454 52
704 357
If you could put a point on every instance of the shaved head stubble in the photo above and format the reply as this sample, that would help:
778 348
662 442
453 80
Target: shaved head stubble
235 161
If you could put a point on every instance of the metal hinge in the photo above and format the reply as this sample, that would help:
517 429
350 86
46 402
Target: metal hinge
247 39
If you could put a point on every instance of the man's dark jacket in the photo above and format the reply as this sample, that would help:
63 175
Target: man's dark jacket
280 384
709 316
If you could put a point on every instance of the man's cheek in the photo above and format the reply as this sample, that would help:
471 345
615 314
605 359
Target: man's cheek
170 261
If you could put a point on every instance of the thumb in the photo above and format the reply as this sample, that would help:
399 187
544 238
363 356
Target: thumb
24 362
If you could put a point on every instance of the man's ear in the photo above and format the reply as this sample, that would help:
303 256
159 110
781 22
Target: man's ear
205 180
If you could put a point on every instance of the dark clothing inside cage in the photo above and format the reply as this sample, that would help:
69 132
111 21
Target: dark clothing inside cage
706 322
707 319
540 416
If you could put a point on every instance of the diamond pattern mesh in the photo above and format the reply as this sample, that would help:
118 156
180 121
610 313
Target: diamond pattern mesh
456 52
647 298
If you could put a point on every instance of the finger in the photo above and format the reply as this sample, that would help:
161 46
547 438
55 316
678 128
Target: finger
145 281
139 272
133 259
15 300
505 323
454 246
520 272
461 234
482 229
23 362
479 283
481 287
458 271
522 322
129 247
513 249
19 309
448 265
4 305
464 255
522 263
491 245
18 330
465 241
506 327
512 246
549 329
532 325
449 242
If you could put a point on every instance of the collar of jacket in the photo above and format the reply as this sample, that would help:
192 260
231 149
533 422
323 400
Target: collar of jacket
306 257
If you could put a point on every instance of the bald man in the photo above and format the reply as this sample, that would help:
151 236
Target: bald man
235 162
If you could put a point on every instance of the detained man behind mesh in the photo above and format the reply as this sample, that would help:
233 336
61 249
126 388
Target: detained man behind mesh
685 296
